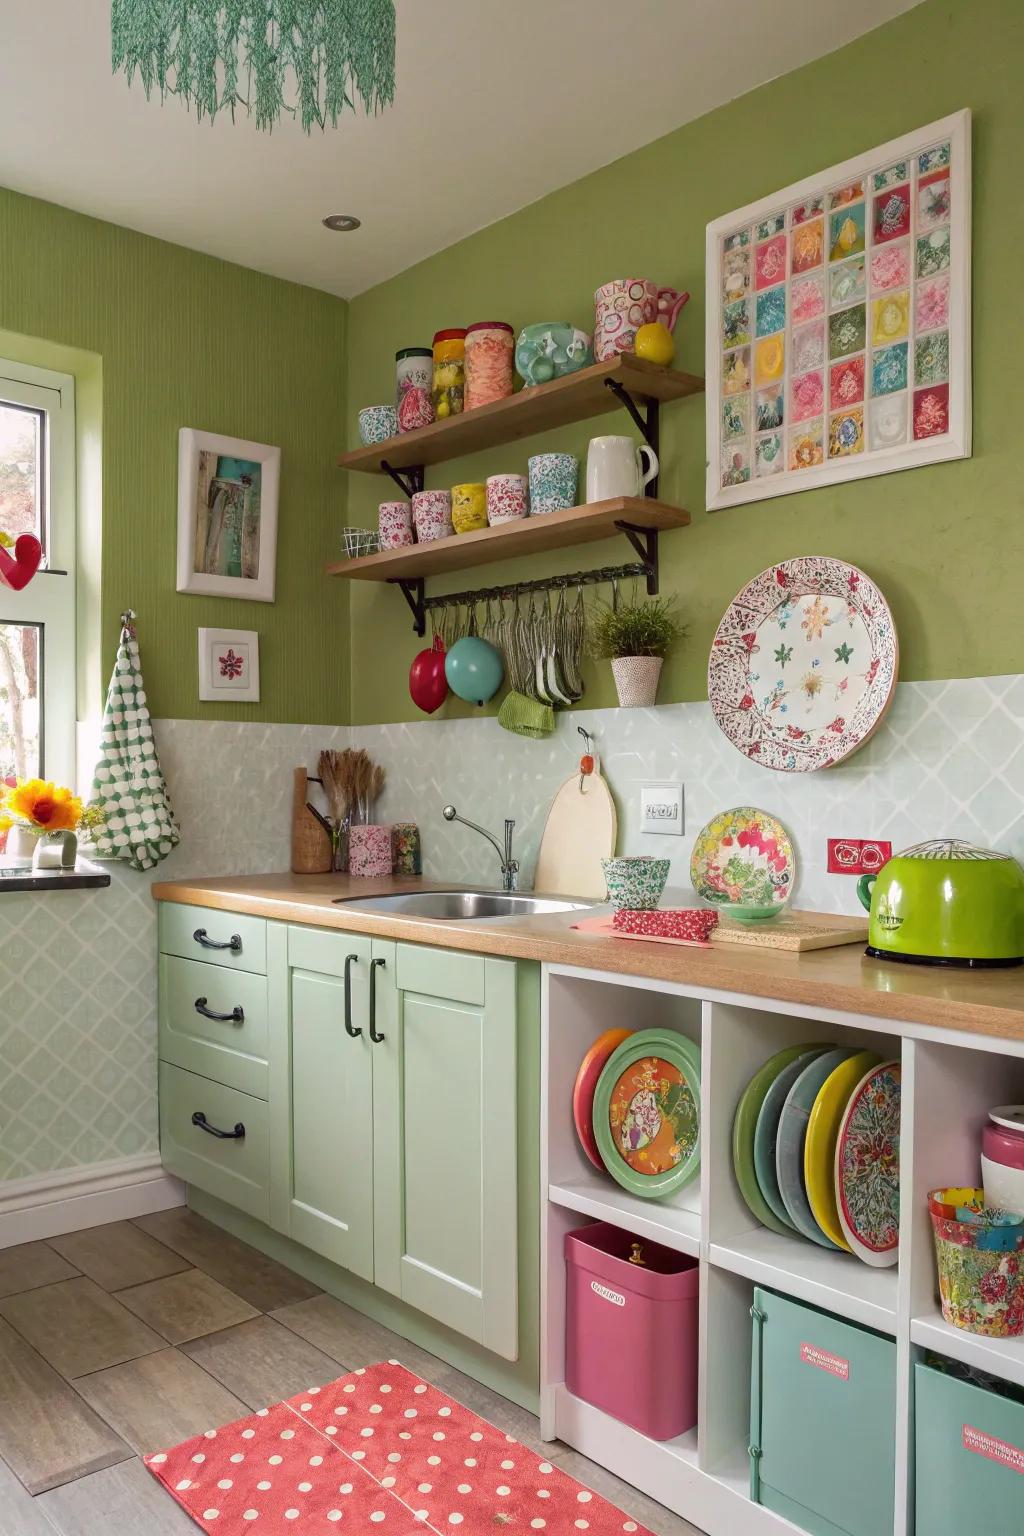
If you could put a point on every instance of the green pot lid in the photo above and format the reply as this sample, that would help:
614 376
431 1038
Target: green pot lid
950 848
647 1112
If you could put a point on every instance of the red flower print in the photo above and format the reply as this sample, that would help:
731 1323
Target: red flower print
231 665
747 701
754 749
781 577
873 670
795 733
993 1286
747 641
838 725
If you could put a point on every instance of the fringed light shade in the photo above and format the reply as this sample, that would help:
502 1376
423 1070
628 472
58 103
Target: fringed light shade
306 58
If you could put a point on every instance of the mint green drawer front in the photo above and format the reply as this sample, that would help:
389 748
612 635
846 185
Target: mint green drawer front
224 938
970 1457
230 1051
235 1170
317 949
442 973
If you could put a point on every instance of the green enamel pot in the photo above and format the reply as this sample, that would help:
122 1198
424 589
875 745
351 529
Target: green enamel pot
946 902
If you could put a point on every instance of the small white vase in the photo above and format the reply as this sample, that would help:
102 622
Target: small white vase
55 850
20 849
636 680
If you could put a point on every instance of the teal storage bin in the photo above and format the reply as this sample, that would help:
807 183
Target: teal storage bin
970 1457
822 1420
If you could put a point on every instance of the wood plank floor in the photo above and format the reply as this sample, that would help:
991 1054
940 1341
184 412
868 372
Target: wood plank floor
129 1338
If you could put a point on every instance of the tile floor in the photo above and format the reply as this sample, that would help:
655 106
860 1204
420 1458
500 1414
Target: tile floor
131 1337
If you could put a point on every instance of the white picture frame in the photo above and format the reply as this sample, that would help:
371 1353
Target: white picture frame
229 666
875 458
227 535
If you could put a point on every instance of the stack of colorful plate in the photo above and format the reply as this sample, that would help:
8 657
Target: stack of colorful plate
816 1149
636 1105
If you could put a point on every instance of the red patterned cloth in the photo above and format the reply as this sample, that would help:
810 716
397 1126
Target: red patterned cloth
377 1448
693 925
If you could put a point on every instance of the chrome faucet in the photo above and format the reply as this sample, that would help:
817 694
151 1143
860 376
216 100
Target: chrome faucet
509 865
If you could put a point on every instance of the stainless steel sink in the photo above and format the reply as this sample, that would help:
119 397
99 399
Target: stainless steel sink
463 906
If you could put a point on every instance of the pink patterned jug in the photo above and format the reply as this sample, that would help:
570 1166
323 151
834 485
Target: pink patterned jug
622 306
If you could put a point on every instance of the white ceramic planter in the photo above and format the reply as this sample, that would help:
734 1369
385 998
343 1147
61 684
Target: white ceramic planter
636 680
20 849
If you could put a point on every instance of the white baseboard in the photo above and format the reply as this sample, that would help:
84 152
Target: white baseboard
73 1198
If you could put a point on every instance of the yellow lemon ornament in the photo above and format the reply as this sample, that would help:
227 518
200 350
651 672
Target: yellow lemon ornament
654 344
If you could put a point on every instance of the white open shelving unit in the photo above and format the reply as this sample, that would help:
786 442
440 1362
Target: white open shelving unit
949 1083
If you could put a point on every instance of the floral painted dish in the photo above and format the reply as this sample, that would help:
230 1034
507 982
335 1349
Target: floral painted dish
647 1112
867 1167
804 663
743 862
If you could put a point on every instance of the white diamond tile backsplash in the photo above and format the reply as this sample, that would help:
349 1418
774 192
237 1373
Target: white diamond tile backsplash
78 982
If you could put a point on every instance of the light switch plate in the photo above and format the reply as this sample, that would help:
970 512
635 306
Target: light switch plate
661 809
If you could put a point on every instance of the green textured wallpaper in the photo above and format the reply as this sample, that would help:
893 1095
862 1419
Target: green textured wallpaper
185 340
945 542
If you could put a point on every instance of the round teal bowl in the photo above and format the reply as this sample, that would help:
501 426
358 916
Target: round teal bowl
635 883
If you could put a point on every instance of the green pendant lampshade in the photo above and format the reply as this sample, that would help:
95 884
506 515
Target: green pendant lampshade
307 58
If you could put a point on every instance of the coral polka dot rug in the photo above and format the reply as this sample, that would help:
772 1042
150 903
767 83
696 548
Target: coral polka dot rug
378 1449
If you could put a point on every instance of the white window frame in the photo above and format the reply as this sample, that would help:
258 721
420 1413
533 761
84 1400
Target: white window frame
49 598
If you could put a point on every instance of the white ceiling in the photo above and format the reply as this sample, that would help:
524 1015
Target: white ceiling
498 102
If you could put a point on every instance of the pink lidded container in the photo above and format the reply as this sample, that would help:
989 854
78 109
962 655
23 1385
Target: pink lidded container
631 1329
369 851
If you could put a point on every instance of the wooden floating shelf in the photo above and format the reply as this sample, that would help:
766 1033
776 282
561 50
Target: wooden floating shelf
527 536
576 397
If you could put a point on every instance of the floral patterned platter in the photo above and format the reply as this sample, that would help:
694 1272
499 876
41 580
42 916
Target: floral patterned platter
868 1167
647 1112
803 665
743 861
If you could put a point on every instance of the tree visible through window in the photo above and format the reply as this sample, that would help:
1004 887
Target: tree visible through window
20 667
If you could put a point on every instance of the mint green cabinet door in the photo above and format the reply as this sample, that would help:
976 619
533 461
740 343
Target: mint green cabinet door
444 1085
321 1095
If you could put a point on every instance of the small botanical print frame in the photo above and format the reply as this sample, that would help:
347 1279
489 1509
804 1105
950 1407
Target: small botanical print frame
227 516
839 324
229 666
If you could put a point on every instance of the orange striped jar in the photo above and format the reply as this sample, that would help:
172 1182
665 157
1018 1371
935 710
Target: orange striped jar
489 347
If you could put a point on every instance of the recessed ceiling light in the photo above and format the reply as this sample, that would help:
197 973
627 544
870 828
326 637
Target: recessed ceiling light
342 223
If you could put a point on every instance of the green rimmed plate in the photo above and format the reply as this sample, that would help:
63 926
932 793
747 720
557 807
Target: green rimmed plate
766 1131
744 1126
647 1112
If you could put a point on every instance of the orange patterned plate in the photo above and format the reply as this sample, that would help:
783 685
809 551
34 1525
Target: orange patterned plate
583 1090
647 1112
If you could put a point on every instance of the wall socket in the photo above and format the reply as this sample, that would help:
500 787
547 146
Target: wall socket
661 809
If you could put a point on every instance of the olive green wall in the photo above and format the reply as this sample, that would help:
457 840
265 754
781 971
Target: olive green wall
945 542
184 340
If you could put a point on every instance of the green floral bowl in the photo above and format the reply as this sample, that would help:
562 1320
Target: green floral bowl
635 883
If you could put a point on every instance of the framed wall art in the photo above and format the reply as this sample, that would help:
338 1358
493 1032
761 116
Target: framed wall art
838 322
229 666
227 516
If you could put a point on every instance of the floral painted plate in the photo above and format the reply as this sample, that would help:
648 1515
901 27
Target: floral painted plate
867 1167
803 665
743 858
826 1116
647 1112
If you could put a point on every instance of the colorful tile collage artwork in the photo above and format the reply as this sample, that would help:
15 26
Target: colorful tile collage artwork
835 323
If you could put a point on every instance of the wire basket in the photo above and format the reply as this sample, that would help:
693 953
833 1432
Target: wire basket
360 541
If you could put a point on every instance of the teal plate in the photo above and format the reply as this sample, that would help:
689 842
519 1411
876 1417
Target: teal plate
647 1111
743 1126
766 1131
789 1148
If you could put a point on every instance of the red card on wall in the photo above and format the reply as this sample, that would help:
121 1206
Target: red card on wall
857 855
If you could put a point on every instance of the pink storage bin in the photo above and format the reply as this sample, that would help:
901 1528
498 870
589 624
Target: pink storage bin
631 1330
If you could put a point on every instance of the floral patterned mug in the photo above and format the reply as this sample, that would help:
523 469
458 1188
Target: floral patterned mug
432 515
394 524
507 498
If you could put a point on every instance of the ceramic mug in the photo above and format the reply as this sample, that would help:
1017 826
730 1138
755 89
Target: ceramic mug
377 423
616 467
394 524
554 478
432 515
469 507
622 306
507 498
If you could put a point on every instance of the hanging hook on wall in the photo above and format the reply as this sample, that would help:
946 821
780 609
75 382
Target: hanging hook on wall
587 762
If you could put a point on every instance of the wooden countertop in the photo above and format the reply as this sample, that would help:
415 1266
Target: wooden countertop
979 1002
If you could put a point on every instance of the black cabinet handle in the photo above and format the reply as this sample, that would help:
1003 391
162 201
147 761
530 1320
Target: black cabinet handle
213 1130
377 1039
234 943
350 1029
236 1016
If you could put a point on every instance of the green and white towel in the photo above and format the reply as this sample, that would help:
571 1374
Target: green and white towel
128 784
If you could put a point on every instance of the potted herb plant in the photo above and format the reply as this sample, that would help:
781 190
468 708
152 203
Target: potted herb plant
635 635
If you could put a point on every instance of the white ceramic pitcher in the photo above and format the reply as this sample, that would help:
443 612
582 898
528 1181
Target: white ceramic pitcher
617 466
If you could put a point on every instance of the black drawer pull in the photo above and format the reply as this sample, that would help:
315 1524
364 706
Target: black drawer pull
374 1036
212 1130
234 943
350 1029
236 1016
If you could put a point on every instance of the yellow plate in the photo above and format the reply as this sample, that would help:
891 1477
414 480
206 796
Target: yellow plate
820 1146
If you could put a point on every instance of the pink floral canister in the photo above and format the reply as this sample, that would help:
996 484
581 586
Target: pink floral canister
369 851
432 515
507 498
394 524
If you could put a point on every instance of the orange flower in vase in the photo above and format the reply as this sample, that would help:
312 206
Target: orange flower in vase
40 806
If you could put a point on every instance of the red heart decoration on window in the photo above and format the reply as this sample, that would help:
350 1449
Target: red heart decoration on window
18 569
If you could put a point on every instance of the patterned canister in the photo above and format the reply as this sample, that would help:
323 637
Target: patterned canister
507 498
369 851
553 482
394 524
414 367
408 851
432 515
449 373
469 507
489 348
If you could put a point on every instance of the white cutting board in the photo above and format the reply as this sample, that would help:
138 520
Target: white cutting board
580 831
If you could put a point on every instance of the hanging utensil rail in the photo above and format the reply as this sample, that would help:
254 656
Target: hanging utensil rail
421 605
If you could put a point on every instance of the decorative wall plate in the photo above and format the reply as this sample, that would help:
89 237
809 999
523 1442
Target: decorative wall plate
583 1089
766 1131
822 1136
743 1130
744 858
867 1166
789 1150
647 1112
804 664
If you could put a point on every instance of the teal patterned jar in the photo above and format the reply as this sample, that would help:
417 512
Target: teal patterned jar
635 883
553 481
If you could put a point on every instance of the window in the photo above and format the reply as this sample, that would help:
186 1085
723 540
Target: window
37 624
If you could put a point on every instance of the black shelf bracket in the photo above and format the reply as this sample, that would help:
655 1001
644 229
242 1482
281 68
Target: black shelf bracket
648 424
412 589
645 542
410 480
